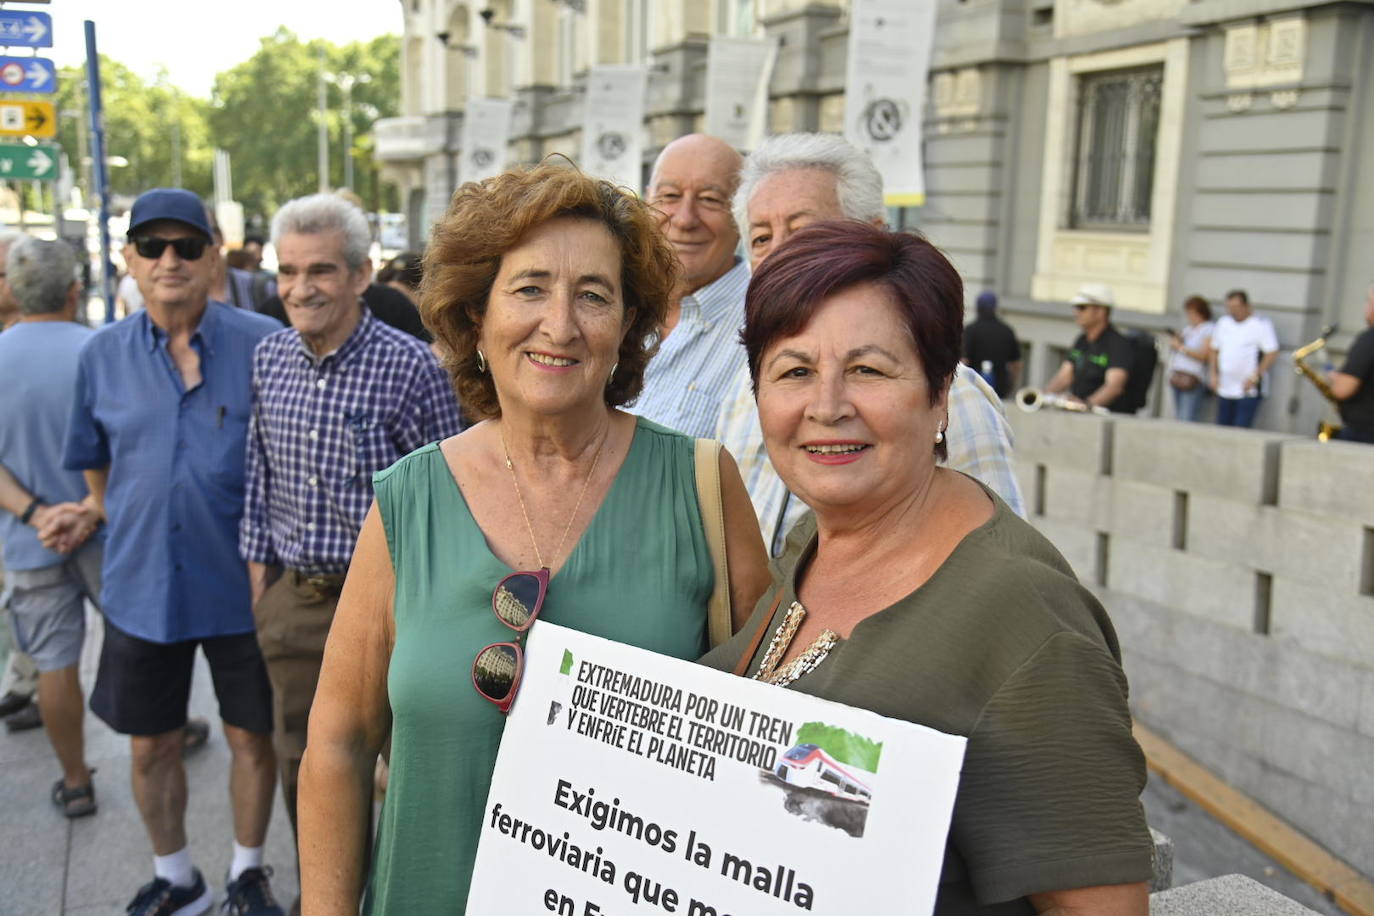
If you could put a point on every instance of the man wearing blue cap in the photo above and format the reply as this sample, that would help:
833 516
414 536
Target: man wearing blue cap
159 426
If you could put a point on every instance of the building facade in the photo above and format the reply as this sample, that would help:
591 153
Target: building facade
1166 147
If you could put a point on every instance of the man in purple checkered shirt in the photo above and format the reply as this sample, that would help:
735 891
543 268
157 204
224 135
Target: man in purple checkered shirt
336 396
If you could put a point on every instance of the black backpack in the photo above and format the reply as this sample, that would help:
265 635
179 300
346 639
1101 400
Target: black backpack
1144 361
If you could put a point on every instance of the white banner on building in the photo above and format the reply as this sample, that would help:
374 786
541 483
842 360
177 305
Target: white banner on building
486 131
738 71
613 124
885 90
628 782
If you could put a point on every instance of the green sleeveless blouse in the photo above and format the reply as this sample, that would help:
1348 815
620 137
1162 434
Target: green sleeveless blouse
641 574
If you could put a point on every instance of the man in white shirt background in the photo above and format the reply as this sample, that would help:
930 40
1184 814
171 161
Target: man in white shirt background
1243 348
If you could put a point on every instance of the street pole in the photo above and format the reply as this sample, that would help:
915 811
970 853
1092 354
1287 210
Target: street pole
100 169
323 135
347 85
176 153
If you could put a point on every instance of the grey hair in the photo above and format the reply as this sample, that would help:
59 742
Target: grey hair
325 213
858 185
8 235
40 274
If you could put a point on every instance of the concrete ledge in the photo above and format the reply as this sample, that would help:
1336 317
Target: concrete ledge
1066 440
1324 689
1327 622
1308 476
1191 585
1234 464
1318 550
1163 876
1232 895
1238 894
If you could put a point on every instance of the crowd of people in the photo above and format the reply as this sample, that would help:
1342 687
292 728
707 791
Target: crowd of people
325 480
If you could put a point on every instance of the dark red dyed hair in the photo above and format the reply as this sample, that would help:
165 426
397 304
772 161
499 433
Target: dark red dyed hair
828 257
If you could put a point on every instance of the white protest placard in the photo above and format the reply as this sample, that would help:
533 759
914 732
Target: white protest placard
613 123
885 90
632 783
486 131
738 71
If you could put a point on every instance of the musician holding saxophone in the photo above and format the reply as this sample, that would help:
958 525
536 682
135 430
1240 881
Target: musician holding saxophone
1352 385
1099 362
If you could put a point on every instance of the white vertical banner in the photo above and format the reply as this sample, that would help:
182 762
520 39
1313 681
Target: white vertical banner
885 90
486 131
738 71
613 123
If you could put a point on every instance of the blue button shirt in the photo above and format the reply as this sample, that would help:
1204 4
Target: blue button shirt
176 458
37 378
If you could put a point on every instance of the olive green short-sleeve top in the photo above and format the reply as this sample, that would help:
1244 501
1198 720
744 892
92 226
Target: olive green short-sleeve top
1003 646
641 574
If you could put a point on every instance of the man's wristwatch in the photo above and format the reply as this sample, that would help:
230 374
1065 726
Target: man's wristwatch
28 513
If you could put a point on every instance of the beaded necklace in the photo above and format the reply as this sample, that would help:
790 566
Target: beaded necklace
814 654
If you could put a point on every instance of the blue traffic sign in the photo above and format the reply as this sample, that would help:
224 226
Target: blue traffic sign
27 74
22 29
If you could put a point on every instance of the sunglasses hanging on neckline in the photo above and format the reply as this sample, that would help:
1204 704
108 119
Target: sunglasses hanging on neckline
516 602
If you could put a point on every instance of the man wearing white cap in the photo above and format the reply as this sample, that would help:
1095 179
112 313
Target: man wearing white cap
1099 362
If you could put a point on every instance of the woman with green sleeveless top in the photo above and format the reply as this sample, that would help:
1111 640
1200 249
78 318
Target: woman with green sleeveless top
547 289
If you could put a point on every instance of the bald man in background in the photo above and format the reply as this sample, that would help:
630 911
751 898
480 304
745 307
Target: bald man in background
692 184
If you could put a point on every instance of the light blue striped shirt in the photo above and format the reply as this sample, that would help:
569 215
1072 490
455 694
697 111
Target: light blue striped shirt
978 442
690 377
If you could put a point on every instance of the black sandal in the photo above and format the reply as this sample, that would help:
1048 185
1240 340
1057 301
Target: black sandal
77 802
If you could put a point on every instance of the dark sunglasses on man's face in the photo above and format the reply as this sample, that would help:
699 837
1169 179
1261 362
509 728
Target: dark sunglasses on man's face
188 248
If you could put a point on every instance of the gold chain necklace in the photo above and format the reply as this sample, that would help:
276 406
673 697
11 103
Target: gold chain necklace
515 481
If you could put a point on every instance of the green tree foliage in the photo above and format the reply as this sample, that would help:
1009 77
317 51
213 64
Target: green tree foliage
844 746
264 112
145 123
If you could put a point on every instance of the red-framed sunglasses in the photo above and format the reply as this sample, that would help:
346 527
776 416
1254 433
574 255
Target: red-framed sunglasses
516 602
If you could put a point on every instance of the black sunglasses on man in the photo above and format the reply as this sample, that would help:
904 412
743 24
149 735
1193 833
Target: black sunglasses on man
189 248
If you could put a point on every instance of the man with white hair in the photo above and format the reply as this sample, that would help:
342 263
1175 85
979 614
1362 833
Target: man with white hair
336 396
17 707
791 181
51 580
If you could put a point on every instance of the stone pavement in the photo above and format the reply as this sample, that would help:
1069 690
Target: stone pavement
50 866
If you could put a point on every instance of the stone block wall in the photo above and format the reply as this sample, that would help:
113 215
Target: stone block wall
1238 567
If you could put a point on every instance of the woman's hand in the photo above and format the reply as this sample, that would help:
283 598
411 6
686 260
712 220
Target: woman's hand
349 724
1104 900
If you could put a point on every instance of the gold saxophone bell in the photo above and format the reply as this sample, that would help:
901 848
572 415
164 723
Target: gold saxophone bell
1031 400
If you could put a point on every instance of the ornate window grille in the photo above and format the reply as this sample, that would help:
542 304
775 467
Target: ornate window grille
1114 169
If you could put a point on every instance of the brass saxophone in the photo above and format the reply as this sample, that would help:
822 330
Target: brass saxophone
1031 400
1326 430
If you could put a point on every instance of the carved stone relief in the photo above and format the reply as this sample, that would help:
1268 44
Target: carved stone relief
1261 54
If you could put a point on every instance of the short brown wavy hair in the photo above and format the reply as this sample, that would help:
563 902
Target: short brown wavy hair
488 218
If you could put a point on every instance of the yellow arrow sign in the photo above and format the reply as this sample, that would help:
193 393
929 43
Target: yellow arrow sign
38 119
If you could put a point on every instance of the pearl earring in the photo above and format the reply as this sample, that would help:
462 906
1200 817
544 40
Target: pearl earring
939 436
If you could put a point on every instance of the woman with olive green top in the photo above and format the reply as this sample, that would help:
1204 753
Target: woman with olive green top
919 595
